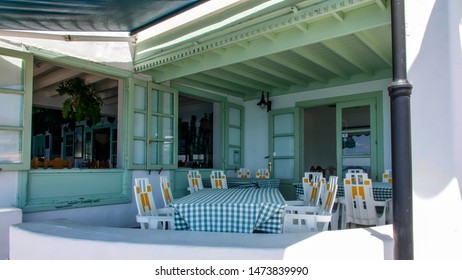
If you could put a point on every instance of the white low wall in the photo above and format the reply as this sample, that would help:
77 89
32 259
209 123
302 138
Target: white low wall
8 217
62 239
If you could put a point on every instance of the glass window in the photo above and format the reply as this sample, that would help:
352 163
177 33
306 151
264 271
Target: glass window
195 146
11 108
12 73
10 146
356 143
284 146
356 117
284 124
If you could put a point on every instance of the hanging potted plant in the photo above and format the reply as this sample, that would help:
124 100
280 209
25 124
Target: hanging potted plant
83 103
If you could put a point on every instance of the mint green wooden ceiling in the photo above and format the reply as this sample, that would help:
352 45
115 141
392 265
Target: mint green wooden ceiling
288 47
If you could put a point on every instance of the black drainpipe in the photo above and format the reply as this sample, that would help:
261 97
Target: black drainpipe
400 92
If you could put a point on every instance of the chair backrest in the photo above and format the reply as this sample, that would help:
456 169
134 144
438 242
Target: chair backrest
144 198
166 190
312 184
218 179
243 173
356 177
262 173
328 194
357 170
387 176
359 201
195 181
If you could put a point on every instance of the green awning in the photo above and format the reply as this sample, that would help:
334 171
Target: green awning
88 15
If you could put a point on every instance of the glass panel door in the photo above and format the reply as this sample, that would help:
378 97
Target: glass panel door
357 143
284 145
235 138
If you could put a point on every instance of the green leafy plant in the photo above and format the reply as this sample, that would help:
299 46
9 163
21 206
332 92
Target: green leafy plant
83 102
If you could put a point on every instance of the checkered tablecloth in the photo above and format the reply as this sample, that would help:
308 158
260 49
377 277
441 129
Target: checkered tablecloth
244 210
234 182
382 191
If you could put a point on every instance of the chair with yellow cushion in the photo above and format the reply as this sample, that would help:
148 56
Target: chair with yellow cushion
262 173
166 191
360 206
387 177
194 181
218 179
243 173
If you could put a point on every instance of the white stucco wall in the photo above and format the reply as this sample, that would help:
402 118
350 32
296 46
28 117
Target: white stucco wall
434 60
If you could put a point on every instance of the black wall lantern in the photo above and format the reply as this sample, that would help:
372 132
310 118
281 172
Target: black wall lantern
264 103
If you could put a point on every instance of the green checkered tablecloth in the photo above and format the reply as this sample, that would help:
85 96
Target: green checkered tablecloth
382 191
244 210
234 182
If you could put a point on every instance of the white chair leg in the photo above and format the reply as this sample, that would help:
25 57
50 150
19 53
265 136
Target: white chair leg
335 218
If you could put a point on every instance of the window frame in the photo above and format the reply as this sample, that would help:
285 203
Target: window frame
25 110
148 112
48 190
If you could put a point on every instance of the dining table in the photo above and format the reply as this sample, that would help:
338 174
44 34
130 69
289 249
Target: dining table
382 191
244 210
234 182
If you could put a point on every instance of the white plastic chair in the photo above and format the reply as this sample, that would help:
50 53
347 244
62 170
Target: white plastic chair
303 219
387 176
194 181
355 171
243 173
148 215
218 179
313 183
166 190
298 219
360 206
262 173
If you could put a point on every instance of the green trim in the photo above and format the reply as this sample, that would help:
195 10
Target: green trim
56 189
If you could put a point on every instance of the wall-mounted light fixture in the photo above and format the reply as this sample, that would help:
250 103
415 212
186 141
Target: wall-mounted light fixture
264 103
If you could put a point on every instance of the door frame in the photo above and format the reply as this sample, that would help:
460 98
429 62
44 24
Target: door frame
376 96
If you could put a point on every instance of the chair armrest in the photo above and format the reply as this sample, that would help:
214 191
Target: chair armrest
385 203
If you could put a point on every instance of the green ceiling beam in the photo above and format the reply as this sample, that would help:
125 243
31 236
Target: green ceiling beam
325 29
322 62
302 70
346 53
245 74
274 72
368 40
